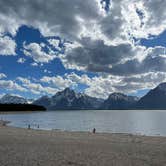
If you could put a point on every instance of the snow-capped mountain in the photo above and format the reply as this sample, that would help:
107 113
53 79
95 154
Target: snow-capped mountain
69 100
63 99
119 101
11 99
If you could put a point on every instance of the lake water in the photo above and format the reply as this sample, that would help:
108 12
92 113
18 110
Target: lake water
144 122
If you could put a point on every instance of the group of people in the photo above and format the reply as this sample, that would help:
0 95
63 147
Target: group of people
93 131
29 126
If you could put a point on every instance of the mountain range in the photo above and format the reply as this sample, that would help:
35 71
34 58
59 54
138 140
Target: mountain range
68 99
119 101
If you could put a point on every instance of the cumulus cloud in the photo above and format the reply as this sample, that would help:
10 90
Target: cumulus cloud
35 51
7 46
11 85
36 88
98 57
100 41
50 18
115 52
154 61
124 16
55 43
83 79
102 86
83 19
156 22
59 82
96 86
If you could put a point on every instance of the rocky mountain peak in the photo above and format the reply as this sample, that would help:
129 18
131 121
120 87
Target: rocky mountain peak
8 98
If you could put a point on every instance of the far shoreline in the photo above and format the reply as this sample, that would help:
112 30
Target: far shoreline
19 112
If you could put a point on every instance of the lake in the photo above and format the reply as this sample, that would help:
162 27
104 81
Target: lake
144 122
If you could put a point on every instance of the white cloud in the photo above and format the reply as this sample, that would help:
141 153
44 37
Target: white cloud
97 86
36 88
85 18
35 51
156 22
154 61
7 46
83 79
94 55
100 41
59 82
50 18
21 60
34 64
2 75
103 86
24 80
55 43
11 85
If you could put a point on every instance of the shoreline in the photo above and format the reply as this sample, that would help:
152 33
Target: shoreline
20 146
5 123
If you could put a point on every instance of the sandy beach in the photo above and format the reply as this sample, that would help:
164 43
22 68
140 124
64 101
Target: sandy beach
23 147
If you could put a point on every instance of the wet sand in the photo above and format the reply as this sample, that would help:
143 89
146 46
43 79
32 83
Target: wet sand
23 147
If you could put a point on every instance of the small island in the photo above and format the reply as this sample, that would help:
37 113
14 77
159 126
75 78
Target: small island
20 107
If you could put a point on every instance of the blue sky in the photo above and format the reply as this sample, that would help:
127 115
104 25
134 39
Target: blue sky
94 47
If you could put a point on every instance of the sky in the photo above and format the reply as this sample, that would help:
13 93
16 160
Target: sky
92 46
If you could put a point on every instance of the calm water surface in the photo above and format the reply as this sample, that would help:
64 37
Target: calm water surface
118 121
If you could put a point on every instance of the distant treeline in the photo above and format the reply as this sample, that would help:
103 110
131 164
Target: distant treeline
21 107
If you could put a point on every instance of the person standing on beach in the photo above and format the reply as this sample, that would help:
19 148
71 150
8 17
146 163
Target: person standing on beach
29 126
94 131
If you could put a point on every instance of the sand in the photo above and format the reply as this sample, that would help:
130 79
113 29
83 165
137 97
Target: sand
23 147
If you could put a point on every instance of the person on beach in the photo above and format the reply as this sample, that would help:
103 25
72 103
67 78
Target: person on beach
3 123
94 131
29 126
